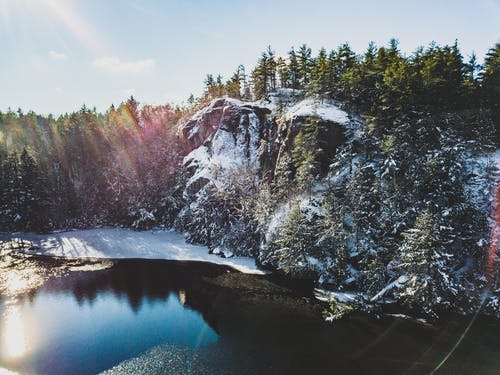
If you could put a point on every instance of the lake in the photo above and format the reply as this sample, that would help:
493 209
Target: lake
164 317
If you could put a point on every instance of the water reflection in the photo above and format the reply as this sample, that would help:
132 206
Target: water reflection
15 282
86 322
142 281
14 339
206 320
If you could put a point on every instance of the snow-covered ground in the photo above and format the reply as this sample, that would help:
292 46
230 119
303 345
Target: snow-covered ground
119 243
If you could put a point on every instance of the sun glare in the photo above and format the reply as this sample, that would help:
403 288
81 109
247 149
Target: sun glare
13 333
62 13
4 371
15 283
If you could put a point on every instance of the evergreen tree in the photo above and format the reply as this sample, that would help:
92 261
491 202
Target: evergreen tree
11 192
34 206
283 72
260 77
272 69
293 70
424 266
233 86
296 240
306 153
304 65
320 74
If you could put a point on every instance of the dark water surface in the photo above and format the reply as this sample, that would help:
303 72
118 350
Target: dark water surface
160 317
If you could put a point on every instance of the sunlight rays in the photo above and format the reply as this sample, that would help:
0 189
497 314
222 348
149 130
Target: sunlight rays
79 27
63 12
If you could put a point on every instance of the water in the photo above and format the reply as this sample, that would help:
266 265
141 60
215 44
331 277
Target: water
167 317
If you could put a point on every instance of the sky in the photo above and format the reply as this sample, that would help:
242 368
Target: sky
57 55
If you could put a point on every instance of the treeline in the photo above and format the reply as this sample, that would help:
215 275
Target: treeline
381 82
86 168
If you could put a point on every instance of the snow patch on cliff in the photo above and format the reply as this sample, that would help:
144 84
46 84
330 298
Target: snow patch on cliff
227 153
324 110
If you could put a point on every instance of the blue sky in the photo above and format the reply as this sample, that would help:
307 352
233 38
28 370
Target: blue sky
59 54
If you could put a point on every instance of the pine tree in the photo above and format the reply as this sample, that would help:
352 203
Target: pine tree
283 72
260 77
306 153
342 60
209 85
320 74
272 69
293 70
304 65
335 237
233 86
296 240
34 206
11 192
424 266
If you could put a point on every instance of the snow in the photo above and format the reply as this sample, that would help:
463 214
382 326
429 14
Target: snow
326 111
278 220
227 154
477 189
117 243
343 297
408 317
395 284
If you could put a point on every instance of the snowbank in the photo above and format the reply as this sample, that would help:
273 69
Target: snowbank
118 243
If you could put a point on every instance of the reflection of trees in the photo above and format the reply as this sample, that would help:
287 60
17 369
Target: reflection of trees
139 280
264 326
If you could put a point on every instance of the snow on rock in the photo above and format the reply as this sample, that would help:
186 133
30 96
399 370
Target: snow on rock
219 112
117 243
395 284
281 97
325 110
479 167
231 128
343 297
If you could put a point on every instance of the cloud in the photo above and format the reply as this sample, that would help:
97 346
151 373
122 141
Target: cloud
58 56
59 90
115 65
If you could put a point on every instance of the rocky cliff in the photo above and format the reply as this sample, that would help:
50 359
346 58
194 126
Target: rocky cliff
237 147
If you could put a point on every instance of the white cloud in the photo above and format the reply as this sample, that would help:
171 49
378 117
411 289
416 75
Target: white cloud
115 65
59 56
59 90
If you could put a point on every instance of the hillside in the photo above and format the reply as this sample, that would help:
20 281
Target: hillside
375 175
401 226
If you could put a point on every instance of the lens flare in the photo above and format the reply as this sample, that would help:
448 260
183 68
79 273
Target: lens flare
13 333
491 257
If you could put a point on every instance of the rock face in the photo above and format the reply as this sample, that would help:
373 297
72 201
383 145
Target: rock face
236 145
220 112
226 137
